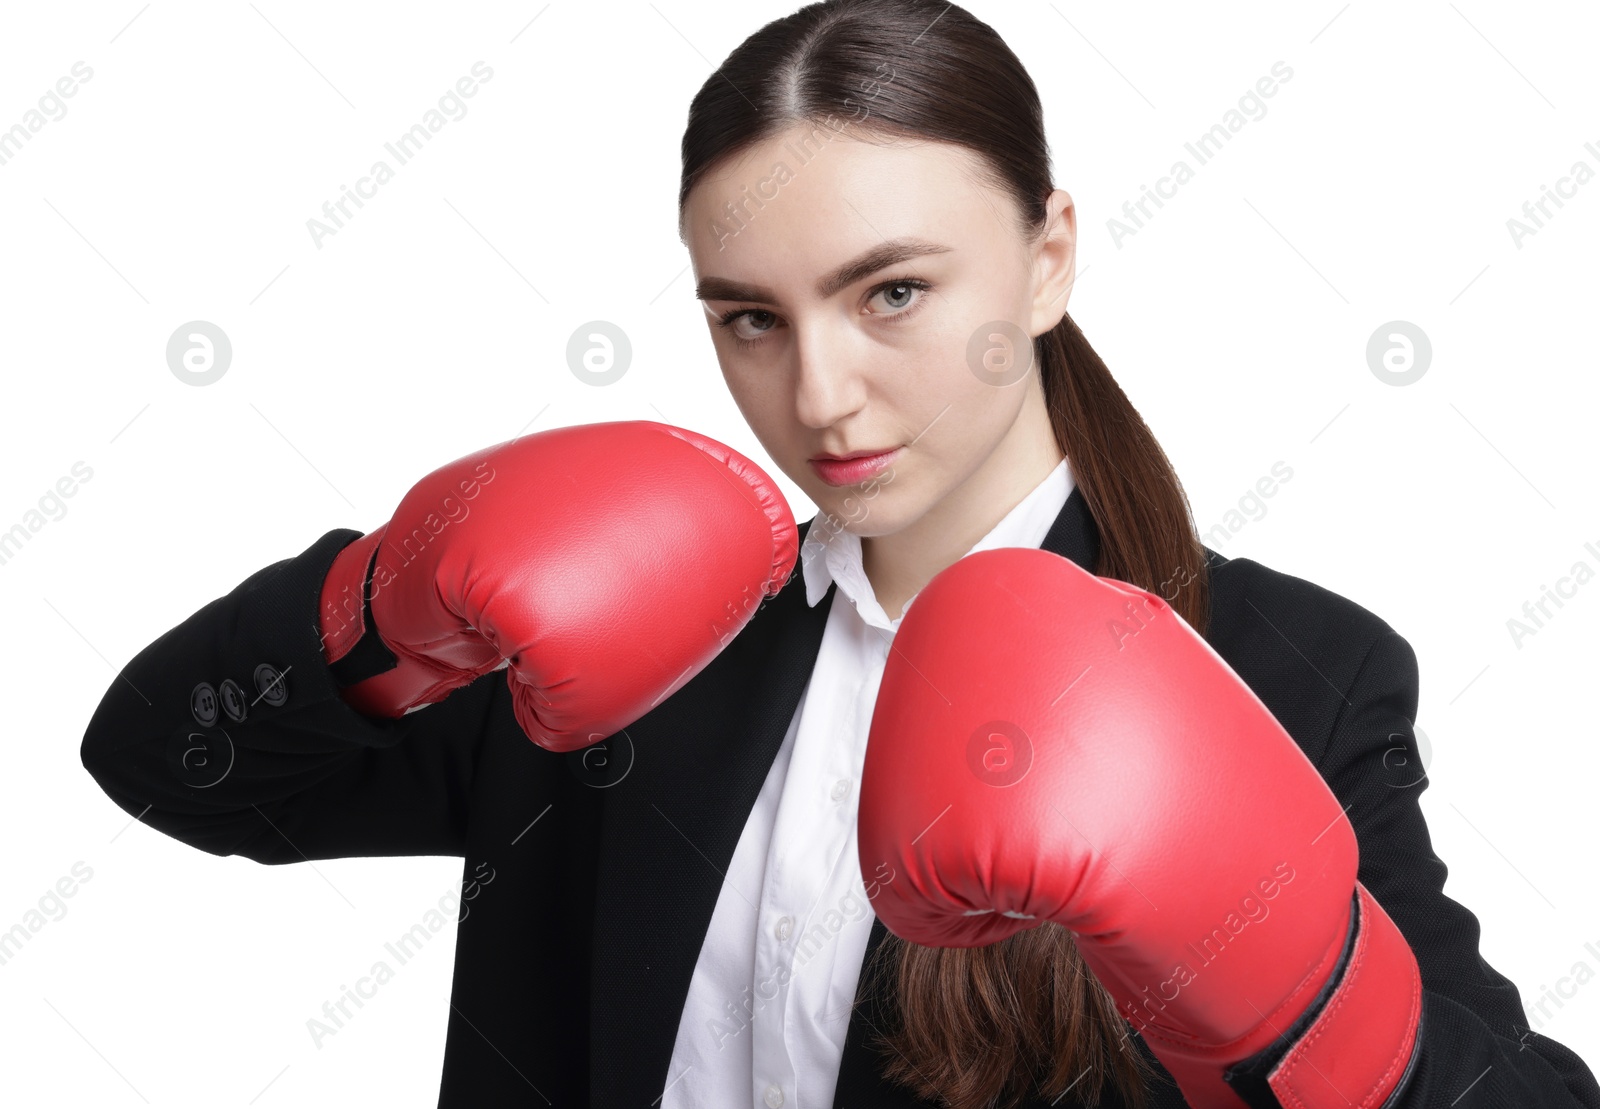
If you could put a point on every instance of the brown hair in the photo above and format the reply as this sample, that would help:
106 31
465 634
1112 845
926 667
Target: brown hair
976 1026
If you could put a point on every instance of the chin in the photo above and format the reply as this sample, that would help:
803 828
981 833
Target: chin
866 517
873 507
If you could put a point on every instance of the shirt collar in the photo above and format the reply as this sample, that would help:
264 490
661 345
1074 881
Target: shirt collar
834 556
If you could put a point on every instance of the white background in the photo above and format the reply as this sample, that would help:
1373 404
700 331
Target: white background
178 186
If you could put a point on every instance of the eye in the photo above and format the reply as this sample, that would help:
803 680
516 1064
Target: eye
764 321
902 287
729 321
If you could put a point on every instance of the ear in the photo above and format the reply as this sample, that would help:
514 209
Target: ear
1055 266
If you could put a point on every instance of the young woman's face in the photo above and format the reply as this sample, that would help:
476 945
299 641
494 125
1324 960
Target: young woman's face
862 287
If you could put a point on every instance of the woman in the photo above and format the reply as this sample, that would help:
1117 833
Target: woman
677 915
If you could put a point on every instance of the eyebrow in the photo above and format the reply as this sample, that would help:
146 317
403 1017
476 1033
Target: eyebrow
863 265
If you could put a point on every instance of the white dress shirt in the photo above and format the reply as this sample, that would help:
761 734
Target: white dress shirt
764 1022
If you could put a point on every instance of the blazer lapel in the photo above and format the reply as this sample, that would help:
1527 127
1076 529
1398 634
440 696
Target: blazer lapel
668 831
1073 535
670 826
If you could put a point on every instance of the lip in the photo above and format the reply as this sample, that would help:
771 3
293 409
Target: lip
854 467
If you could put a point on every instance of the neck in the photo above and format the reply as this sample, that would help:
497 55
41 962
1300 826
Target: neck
899 565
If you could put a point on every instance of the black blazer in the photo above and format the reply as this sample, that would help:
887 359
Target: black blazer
591 877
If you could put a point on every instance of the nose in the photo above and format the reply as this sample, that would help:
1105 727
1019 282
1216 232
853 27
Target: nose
828 384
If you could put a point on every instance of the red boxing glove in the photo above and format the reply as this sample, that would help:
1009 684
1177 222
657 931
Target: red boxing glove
1051 745
604 565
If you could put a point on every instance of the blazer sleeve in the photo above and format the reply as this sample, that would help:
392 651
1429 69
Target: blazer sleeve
303 776
1474 1033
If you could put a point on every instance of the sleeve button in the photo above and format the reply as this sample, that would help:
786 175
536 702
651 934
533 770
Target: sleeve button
203 704
233 702
270 684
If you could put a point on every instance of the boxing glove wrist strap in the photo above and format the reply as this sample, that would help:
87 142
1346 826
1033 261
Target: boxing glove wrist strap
351 643
1357 1044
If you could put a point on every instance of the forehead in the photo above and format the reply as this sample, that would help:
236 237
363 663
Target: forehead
807 198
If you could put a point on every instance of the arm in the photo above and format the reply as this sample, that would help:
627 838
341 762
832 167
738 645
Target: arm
310 778
600 566
1157 809
1473 1023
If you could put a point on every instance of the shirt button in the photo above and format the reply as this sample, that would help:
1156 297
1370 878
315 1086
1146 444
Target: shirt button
774 1097
841 789
785 925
